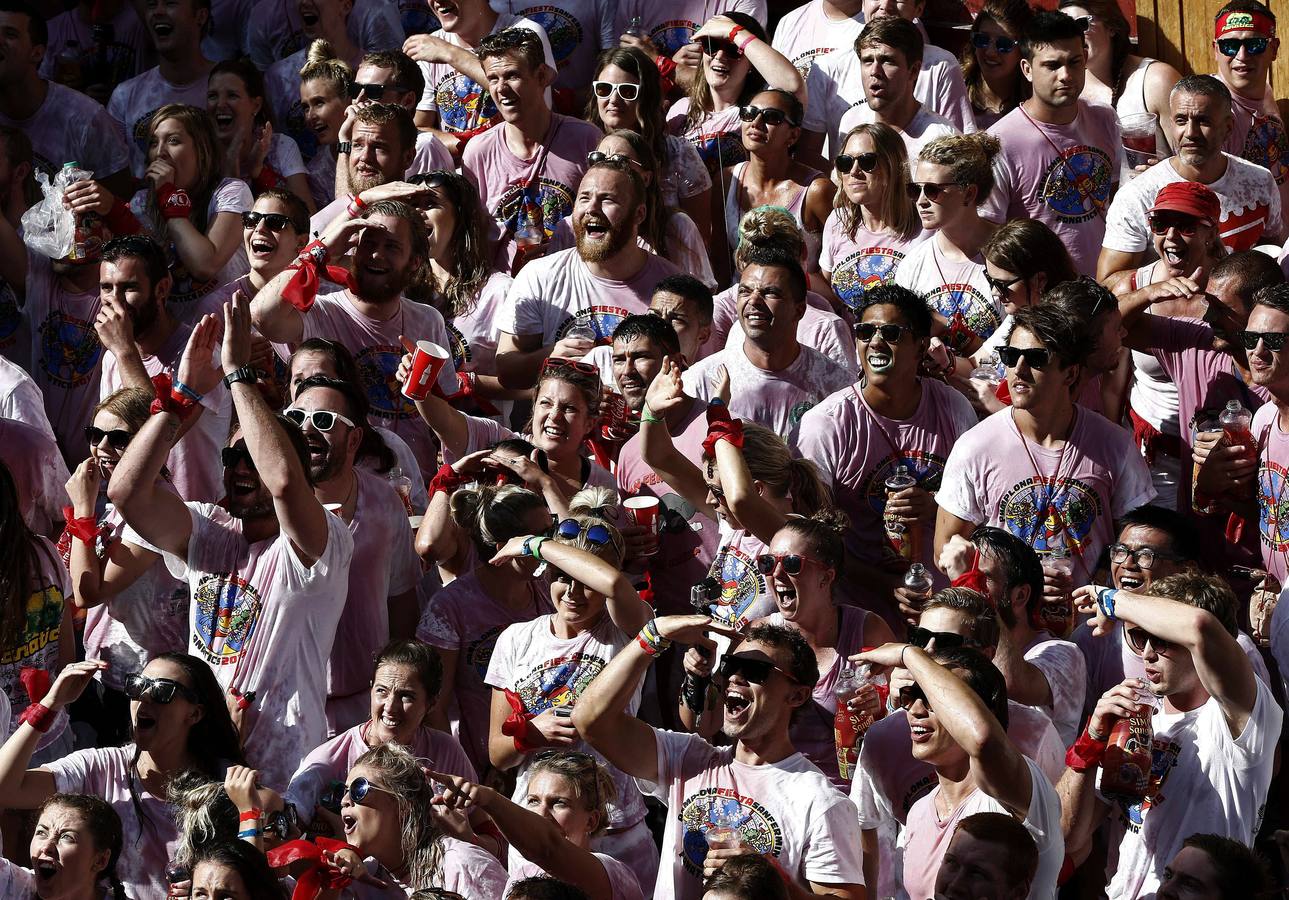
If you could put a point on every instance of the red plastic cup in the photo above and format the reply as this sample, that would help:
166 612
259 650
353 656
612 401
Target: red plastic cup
645 510
427 362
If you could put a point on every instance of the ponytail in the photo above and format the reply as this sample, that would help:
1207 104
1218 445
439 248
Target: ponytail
808 492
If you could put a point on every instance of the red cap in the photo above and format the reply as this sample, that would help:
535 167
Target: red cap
1191 198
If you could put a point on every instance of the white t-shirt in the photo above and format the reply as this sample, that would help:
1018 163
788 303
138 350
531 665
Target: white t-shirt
69 126
807 33
622 881
133 103
1216 783
788 810
1067 676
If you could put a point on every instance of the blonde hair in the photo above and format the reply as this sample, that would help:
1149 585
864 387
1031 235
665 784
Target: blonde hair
203 813
968 157
493 515
592 783
896 210
420 838
596 505
770 462
322 65
769 225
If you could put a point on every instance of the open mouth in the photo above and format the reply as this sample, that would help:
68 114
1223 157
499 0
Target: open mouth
262 247
787 595
756 318
596 228
920 733
736 704
878 361
376 271
318 450
1173 256
309 19
389 722
444 9
718 69
163 29
224 120
144 722
244 488
554 432
45 869
1129 582
348 822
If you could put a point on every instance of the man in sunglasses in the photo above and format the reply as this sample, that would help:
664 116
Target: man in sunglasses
142 339
1215 727
1061 156
891 417
1200 123
1244 47
380 601
556 303
774 799
890 52
1264 480
268 570
1045 470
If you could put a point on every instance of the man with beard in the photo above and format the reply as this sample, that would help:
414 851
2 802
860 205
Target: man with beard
382 143
381 597
1061 156
859 435
142 340
1201 121
268 571
527 170
566 303
63 124
370 317
774 378
758 796
180 75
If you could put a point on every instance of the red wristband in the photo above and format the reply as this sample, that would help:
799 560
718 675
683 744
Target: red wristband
120 221
38 716
1086 753
173 202
446 480
355 207
720 427
83 528
170 400
251 815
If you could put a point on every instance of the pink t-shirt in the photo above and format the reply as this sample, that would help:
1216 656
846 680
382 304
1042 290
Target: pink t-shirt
622 881
1062 664
1273 475
578 31
859 264
552 293
265 622
1258 135
150 840
952 290
20 399
65 354
928 835
464 869
70 126
819 329
467 619
383 542
807 33
374 344
672 25
523 193
776 400
857 450
133 103
474 334
1061 175
717 136
38 472
1073 498
787 810
332 761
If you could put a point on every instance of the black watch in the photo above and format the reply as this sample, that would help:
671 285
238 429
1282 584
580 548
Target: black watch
345 147
245 373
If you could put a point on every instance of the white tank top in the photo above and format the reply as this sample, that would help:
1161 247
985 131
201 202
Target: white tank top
734 213
1153 395
1133 100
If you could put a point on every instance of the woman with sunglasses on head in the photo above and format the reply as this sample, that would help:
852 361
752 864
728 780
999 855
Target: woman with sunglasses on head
463 619
324 94
874 223
135 608
397 839
74 850
538 668
771 177
179 722
252 150
564 806
954 176
627 95
1133 85
991 60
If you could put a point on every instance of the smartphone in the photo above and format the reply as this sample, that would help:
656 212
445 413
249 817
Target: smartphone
1246 573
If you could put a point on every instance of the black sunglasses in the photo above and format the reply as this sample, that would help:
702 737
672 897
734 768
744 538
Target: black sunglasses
891 332
844 162
1037 357
373 91
932 190
1139 637
275 221
1144 557
1002 44
158 690
360 787
911 694
944 640
1186 225
1253 46
231 456
1001 287
753 670
771 115
118 438
713 46
595 157
1275 340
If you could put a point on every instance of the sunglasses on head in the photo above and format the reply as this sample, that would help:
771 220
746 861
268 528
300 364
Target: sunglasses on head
793 563
1274 340
891 332
117 438
1001 43
753 670
231 456
1186 225
595 157
1085 23
932 190
373 91
275 221
561 362
360 787
1139 637
1253 46
845 162
571 530
712 46
321 419
771 115
159 690
910 694
606 89
1037 357
1144 557
1001 287
944 640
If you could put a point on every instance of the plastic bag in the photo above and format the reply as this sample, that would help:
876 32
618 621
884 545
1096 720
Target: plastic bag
49 227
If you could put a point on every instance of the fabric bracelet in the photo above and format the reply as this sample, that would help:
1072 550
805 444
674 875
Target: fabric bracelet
1086 752
169 400
38 716
84 528
173 202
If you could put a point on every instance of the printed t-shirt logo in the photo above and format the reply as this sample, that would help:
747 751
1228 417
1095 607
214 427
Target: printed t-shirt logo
548 202
718 149
672 35
69 349
1267 145
804 60
967 303
712 808
1163 759
1077 184
563 30
462 103
478 653
923 465
41 626
558 682
862 271
601 319
377 372
1048 513
741 584
458 346
226 611
1273 506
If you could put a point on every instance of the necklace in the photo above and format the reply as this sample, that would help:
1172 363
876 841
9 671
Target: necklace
1060 156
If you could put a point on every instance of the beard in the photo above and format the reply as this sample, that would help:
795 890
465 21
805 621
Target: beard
359 183
327 466
378 288
143 319
596 251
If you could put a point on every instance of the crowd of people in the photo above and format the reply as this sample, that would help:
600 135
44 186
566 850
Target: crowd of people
616 450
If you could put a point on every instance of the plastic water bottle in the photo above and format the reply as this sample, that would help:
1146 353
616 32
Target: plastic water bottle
990 369
903 538
635 29
403 485
918 582
89 237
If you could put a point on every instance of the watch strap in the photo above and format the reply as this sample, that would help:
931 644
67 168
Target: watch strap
345 147
245 373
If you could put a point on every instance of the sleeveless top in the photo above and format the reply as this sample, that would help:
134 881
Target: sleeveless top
734 212
1132 100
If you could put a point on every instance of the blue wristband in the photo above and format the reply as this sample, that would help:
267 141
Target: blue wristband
716 401
1105 602
186 391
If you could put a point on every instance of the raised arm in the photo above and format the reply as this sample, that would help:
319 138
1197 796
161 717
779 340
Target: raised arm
299 513
1082 812
777 70
202 254
96 581
1133 305
447 422
657 448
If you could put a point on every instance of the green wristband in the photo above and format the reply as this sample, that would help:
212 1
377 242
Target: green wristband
646 415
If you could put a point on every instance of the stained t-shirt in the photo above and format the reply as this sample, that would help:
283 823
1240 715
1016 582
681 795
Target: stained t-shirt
955 291
37 643
866 261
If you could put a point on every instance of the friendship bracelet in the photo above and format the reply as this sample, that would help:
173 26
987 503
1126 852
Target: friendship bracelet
646 415
38 716
650 641
355 207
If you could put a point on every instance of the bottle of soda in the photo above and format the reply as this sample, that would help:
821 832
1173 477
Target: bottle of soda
1057 616
1127 761
403 485
849 726
1201 504
89 237
904 539
918 582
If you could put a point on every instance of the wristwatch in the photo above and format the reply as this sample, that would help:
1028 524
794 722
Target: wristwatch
345 147
245 373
